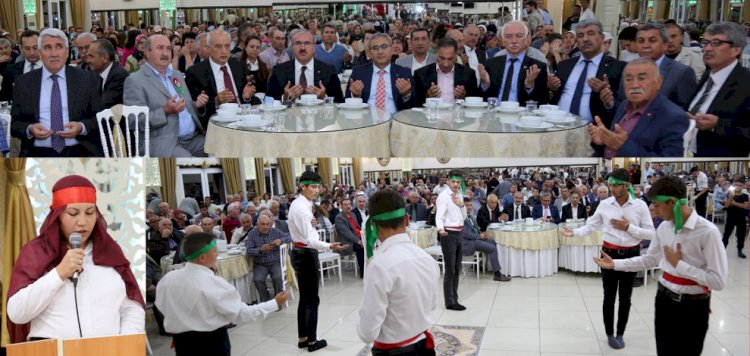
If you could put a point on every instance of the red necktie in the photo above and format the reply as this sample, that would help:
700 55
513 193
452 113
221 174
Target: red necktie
380 94
354 225
228 83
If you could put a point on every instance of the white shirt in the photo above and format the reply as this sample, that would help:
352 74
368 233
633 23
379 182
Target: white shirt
718 78
570 86
105 74
219 78
635 210
193 298
473 61
704 258
254 65
448 213
574 210
103 305
300 224
440 188
309 71
401 289
27 66
390 101
415 64
517 212
701 182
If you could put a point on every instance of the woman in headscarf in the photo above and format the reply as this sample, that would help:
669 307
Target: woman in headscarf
53 284
136 59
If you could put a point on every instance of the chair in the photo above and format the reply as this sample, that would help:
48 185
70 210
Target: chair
284 252
109 119
437 253
5 125
652 270
352 258
476 260
687 137
328 260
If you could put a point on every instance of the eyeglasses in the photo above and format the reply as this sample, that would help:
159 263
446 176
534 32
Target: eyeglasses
714 43
382 47
303 44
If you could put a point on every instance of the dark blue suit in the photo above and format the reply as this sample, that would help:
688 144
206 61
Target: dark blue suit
539 212
659 132
364 73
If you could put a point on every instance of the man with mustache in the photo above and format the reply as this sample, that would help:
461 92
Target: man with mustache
647 124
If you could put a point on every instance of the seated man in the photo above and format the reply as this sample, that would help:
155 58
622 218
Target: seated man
263 244
415 209
517 210
546 210
472 240
207 224
349 232
162 242
489 213
576 210
446 80
239 236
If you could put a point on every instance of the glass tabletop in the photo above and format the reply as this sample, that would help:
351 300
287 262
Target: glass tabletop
523 226
481 120
305 119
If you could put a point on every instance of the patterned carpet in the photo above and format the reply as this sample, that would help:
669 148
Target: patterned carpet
451 340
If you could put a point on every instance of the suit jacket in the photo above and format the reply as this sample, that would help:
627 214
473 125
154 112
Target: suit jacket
200 78
358 216
675 87
282 225
483 216
469 237
421 211
731 136
83 104
364 73
567 211
496 69
9 77
406 61
594 205
525 212
658 133
345 233
539 212
284 72
144 88
114 86
609 66
462 75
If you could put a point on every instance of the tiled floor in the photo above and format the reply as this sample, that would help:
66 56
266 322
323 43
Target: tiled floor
557 315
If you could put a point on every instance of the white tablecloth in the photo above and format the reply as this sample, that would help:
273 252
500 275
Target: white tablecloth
577 253
527 253
423 238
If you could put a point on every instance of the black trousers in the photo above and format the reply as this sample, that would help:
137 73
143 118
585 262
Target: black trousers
612 281
680 327
415 349
68 151
451 246
700 204
305 262
197 343
741 225
360 252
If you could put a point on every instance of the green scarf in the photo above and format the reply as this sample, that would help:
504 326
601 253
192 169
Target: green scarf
371 231
679 220
613 180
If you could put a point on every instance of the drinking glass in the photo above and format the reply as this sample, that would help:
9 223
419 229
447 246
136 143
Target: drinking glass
329 102
491 103
531 106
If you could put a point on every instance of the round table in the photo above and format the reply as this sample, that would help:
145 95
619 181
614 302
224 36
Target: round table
236 269
304 131
424 237
527 250
482 133
577 252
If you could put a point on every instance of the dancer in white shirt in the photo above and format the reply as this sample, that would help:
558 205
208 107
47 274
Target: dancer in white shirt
45 292
689 250
625 222
198 305
401 284
449 221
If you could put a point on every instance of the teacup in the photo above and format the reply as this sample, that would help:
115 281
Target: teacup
509 105
473 100
529 221
548 107
277 103
353 101
555 115
308 98
531 120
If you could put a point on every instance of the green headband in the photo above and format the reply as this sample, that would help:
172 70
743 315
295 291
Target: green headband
371 231
308 182
679 220
203 250
613 180
463 183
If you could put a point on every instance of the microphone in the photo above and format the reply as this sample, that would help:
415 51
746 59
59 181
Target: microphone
75 242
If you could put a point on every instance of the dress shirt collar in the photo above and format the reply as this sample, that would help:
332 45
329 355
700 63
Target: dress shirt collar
216 67
468 50
613 201
198 269
254 65
521 56
104 74
298 64
660 60
46 74
323 46
594 60
437 67
721 75
387 69
27 64
168 71
629 111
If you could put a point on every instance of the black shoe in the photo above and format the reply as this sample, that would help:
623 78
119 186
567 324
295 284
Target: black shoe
457 307
637 282
741 255
317 345
620 340
231 325
302 344
613 342
501 277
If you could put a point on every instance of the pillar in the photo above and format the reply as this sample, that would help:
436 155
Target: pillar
703 9
745 11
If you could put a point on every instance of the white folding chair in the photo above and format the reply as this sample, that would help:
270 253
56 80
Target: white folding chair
5 125
688 137
284 252
651 270
328 260
108 121
476 260
350 259
437 253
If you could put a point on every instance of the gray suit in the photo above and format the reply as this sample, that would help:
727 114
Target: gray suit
345 233
406 61
144 88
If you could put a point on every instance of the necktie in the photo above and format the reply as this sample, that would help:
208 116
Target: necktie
575 104
32 67
303 77
704 96
518 213
508 79
228 83
380 94
546 213
56 116
492 215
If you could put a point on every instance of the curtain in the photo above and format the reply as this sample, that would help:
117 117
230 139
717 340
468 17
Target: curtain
133 18
232 174
18 225
357 168
168 171
8 18
76 12
260 177
324 166
287 174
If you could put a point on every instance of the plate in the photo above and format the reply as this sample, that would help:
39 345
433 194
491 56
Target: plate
511 111
272 108
312 103
507 228
541 127
481 105
231 118
442 106
564 121
345 106
234 252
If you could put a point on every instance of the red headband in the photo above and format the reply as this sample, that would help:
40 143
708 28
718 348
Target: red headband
71 195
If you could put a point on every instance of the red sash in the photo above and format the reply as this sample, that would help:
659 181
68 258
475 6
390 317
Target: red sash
682 281
615 247
300 245
430 342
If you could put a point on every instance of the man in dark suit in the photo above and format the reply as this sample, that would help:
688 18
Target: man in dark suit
579 80
515 76
349 232
39 121
454 81
275 208
488 213
722 117
517 210
471 55
397 92
304 75
473 240
360 209
602 193
101 57
647 124
30 52
575 206
546 209
222 78
415 209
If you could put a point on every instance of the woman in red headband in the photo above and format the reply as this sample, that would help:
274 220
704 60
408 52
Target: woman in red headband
43 300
